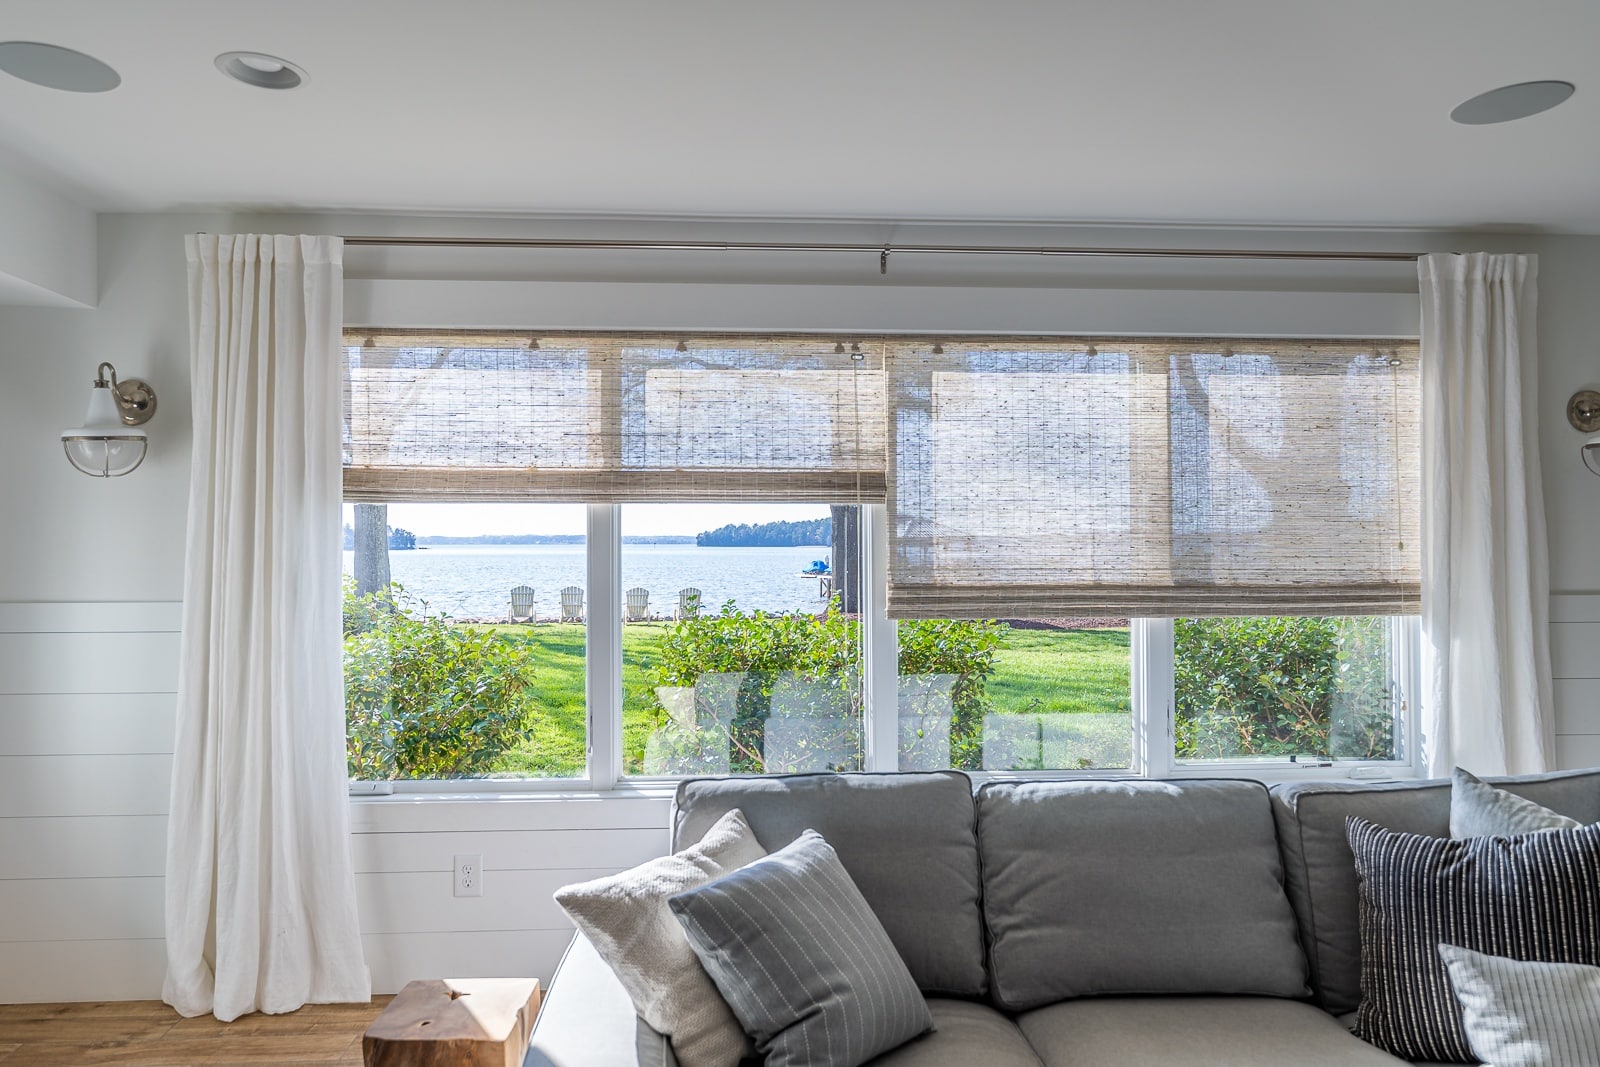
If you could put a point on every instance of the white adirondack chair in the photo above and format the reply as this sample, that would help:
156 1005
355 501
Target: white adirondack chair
572 604
688 603
636 604
521 606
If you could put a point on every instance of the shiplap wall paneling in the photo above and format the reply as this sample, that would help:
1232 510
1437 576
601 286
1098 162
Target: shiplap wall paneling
413 925
395 959
1575 663
87 698
48 972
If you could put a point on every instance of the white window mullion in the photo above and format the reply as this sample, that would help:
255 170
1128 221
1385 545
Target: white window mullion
1151 677
1405 638
603 662
880 647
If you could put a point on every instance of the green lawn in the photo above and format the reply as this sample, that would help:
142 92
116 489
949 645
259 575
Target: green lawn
1077 684
554 745
1052 673
1062 671
555 740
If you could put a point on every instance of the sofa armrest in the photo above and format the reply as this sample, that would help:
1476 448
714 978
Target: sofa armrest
587 1019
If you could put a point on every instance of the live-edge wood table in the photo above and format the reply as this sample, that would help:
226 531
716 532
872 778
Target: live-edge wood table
455 1022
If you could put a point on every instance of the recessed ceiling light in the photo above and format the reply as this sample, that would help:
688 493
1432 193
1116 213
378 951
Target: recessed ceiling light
55 67
1511 102
261 70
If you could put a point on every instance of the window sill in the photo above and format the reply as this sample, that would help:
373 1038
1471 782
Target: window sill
568 805
1277 773
512 791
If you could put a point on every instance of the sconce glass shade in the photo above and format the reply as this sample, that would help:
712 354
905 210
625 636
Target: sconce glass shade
104 446
1591 453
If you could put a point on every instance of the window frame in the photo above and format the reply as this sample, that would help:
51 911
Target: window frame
1155 638
1151 694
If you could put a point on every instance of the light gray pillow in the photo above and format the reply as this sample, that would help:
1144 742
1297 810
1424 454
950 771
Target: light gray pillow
806 967
1478 809
1527 1014
626 917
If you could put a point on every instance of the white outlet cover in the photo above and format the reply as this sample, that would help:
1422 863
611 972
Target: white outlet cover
469 875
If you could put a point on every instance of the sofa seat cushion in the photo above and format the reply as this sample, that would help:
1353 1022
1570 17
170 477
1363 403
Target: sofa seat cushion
908 841
587 1019
964 1035
1194 1032
1134 888
1321 870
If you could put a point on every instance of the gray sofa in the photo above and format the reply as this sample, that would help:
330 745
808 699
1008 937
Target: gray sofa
1083 923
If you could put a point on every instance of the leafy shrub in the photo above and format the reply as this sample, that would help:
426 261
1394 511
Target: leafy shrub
425 698
815 660
1282 686
768 651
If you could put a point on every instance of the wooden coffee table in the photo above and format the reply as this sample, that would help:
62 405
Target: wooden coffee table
455 1022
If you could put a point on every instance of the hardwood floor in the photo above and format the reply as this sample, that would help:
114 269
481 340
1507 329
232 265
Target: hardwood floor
147 1033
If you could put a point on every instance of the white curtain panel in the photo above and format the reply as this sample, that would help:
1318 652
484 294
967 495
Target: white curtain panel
1485 572
260 888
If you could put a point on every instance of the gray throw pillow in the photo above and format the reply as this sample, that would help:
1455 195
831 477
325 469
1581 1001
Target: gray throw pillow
800 958
626 917
1527 1014
1478 809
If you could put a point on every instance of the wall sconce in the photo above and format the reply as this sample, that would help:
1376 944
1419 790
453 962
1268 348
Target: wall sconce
110 443
1583 411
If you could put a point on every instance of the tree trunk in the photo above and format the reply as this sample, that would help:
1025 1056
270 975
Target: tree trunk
372 549
846 563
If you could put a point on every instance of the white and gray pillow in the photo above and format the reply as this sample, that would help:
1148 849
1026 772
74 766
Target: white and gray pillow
1523 1013
1478 809
1533 896
800 958
626 917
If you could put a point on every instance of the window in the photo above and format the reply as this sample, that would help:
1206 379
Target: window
741 649
1304 688
465 645
805 553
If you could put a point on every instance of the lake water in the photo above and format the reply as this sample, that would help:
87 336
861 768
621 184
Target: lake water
474 581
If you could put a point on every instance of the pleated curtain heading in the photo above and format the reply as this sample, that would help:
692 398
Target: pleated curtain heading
1025 477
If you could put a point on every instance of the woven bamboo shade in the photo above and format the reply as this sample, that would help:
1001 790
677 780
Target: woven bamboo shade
1025 477
460 416
1046 479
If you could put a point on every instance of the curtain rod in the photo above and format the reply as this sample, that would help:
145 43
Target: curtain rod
884 251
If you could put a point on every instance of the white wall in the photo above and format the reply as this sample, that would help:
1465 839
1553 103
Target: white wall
93 569
47 241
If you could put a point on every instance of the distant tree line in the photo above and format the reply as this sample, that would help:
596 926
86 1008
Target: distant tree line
398 538
547 539
769 534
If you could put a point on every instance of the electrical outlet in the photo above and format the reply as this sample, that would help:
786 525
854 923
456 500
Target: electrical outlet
469 876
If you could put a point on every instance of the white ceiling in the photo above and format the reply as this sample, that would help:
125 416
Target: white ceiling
1223 111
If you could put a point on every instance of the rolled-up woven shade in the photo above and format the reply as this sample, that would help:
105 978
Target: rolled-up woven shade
464 415
1040 478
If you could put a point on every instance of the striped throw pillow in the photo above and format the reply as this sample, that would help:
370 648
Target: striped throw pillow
1531 897
1521 1014
801 959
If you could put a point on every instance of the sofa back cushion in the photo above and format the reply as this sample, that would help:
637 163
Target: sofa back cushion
907 840
1134 887
1320 869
